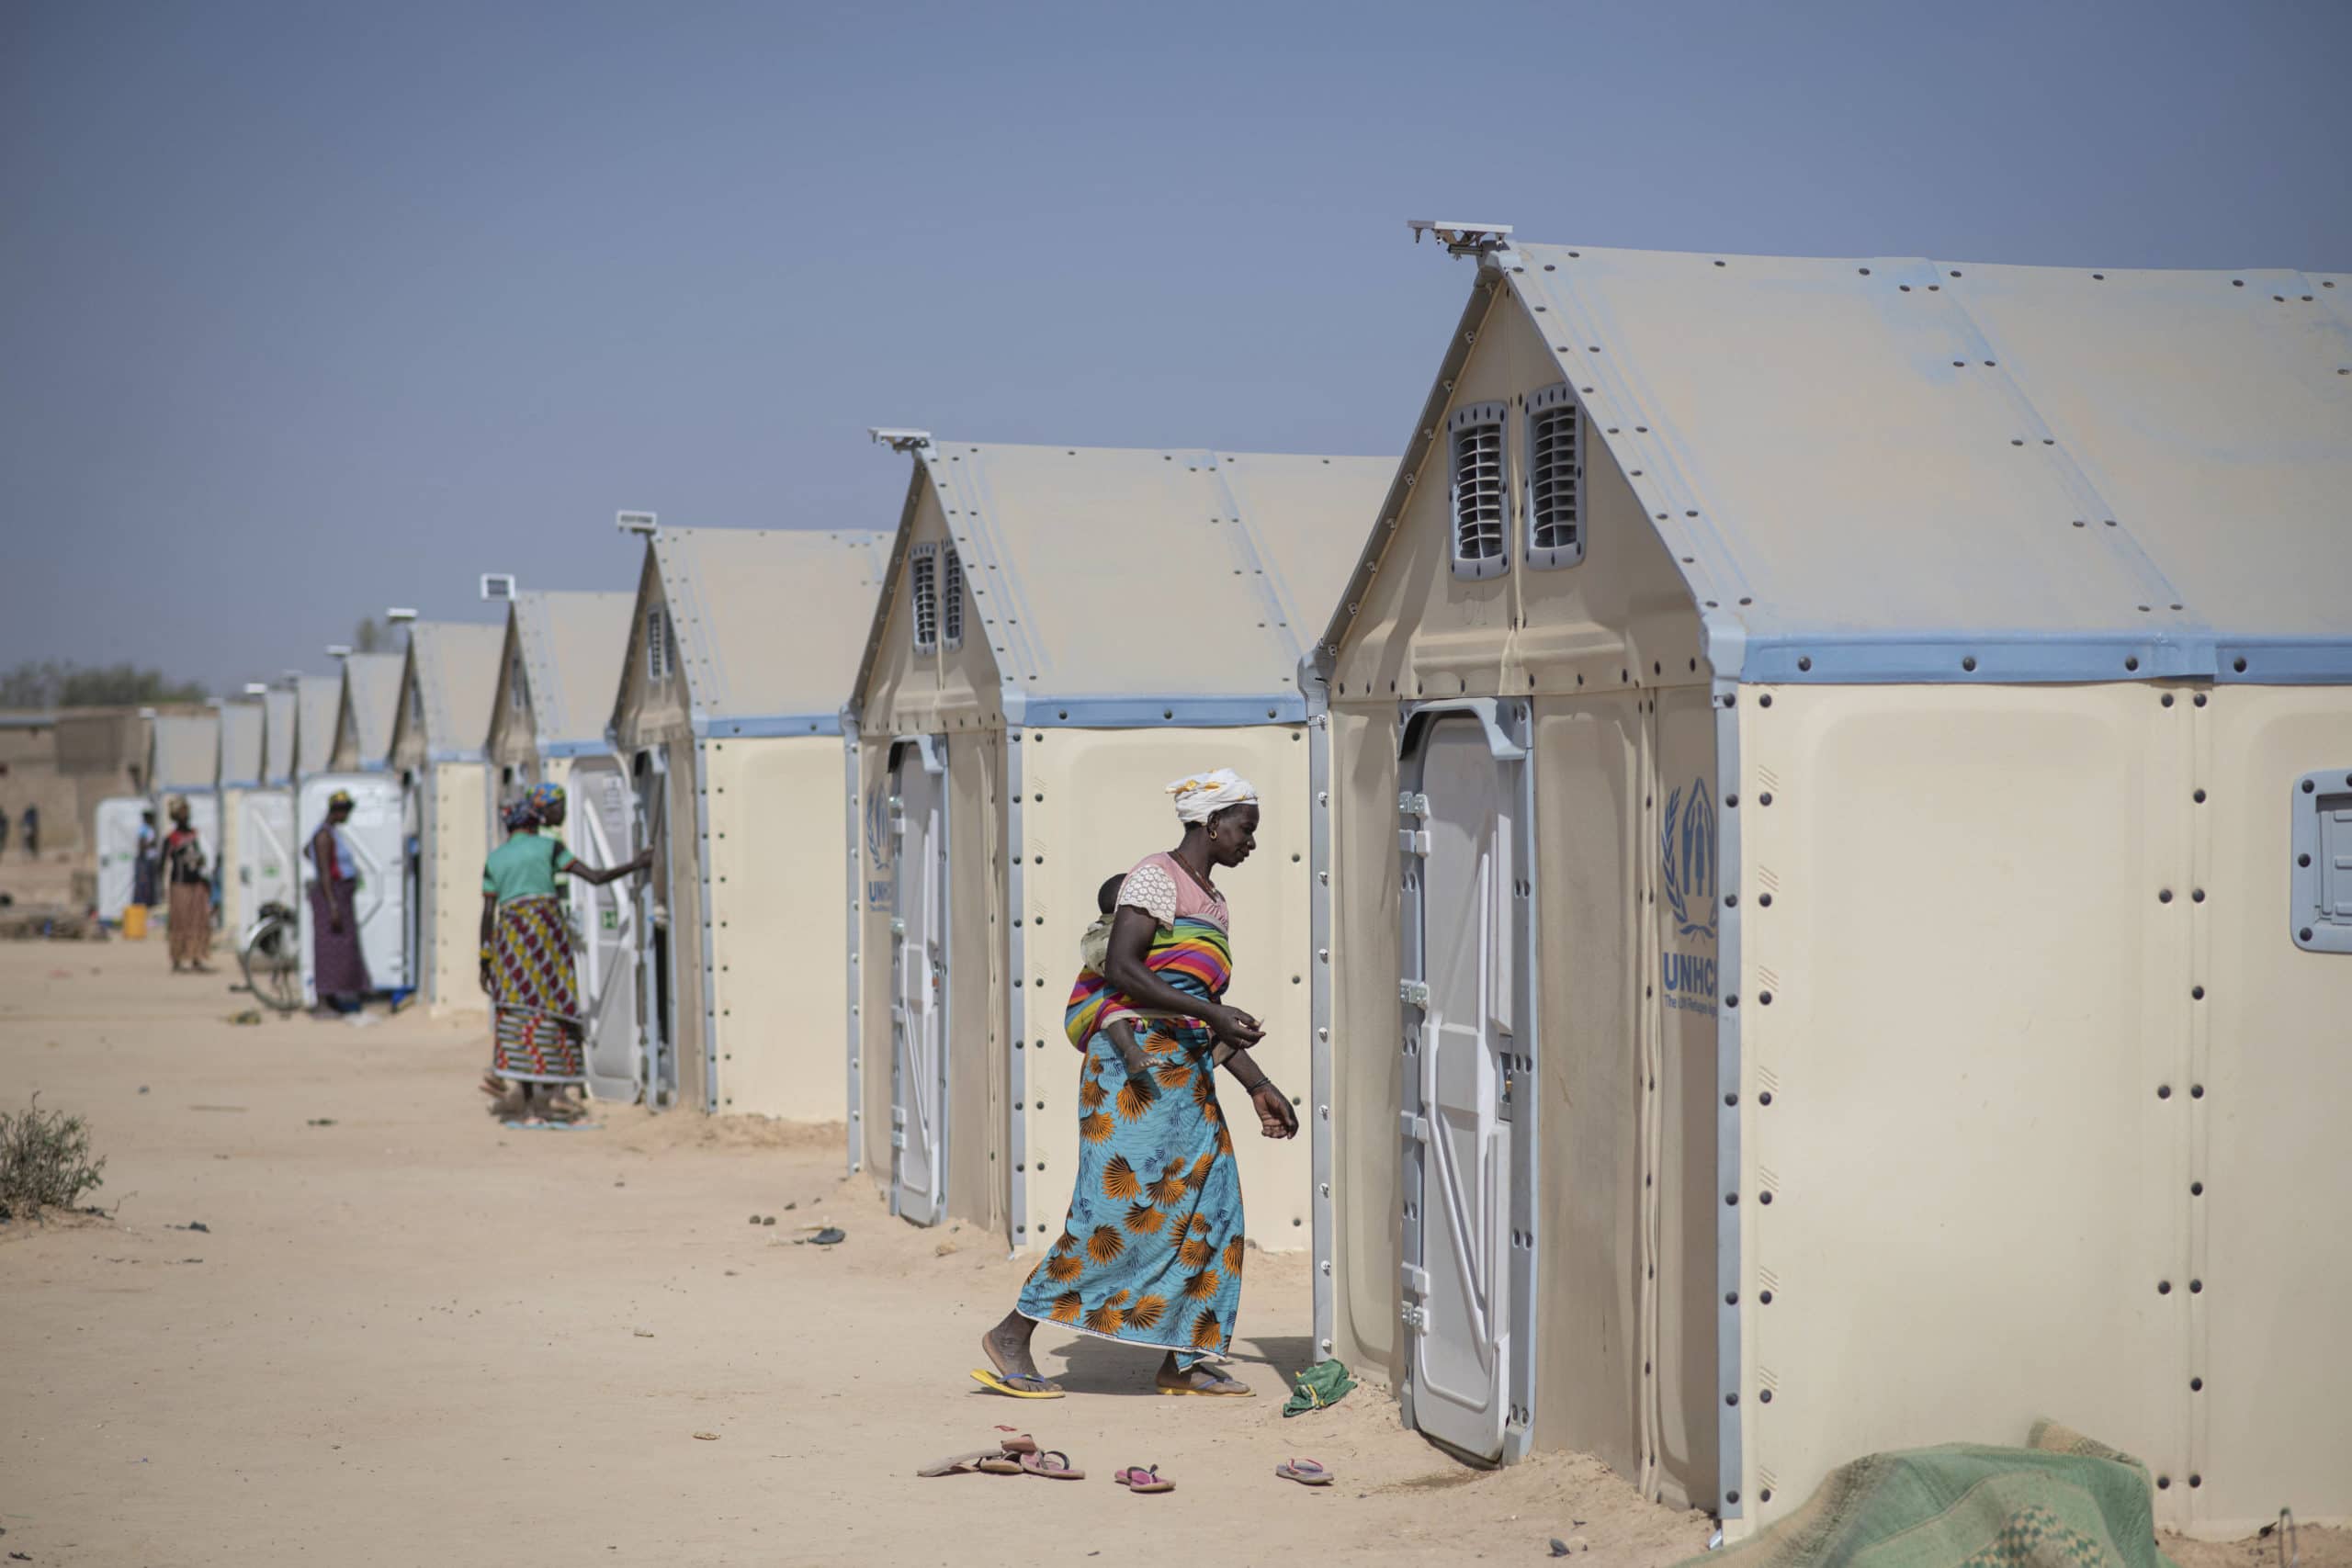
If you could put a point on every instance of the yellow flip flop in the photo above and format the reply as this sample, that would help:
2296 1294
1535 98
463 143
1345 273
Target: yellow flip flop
1010 1387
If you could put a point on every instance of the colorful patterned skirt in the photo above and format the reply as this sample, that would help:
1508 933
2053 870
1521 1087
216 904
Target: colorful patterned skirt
535 1000
1152 1252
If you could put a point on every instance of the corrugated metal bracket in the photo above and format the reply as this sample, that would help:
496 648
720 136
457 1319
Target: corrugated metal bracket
1413 993
1414 1127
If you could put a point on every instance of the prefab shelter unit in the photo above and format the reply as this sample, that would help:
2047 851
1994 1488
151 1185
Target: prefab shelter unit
1064 631
556 674
256 820
184 760
382 831
741 646
1841 910
439 723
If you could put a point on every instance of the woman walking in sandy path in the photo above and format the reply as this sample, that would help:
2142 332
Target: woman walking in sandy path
1153 1248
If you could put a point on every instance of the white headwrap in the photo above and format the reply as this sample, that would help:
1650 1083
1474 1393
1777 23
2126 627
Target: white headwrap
1203 795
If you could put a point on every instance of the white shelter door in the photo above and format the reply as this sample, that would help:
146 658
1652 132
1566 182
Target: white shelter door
380 842
606 920
1462 1339
265 848
117 854
919 990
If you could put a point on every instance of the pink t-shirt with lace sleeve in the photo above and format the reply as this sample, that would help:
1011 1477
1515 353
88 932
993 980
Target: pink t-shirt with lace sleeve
1166 892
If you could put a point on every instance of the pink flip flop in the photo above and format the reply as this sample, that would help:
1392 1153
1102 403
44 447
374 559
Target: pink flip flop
1306 1472
1143 1478
1052 1464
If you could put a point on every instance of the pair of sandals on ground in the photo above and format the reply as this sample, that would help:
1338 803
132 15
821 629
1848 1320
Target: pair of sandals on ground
1019 1455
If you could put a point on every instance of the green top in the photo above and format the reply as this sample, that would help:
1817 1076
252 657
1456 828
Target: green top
525 866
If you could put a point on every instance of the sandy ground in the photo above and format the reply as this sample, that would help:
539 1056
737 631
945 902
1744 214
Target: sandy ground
410 1336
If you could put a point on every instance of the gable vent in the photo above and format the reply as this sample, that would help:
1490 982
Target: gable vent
1481 547
923 587
950 607
657 644
1554 478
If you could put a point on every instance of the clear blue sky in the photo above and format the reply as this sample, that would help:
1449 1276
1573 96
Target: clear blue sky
307 310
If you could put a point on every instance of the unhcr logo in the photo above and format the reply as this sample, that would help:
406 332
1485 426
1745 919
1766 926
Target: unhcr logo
1687 874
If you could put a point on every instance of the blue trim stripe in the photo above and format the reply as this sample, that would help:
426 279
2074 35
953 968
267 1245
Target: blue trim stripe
1146 711
770 727
575 748
2015 657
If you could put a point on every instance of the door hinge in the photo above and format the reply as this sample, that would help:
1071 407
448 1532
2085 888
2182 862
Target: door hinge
1413 1316
1414 1127
1414 993
1413 841
1412 802
898 925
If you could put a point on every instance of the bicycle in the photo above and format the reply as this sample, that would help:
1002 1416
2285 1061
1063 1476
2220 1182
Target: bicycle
271 957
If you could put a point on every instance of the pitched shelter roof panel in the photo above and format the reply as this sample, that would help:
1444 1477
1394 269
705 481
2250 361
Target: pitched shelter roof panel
1892 449
279 708
184 751
457 673
317 699
1085 561
768 621
371 685
241 742
573 647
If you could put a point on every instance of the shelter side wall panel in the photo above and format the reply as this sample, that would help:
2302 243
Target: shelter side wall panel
1589 782
779 935
878 861
1962 1189
682 895
1367 1043
2274 1062
235 906
979 1093
912 691
1679 1122
452 876
1096 804
1621 618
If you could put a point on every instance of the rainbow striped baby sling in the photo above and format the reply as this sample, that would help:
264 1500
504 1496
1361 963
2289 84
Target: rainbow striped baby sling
1193 955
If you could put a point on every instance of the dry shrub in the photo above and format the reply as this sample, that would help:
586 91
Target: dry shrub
44 1161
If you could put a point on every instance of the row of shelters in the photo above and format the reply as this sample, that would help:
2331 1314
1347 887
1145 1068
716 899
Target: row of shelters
1805 868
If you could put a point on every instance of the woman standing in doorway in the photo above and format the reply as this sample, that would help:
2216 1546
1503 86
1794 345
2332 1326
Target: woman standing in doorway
191 893
1153 1248
338 968
537 1040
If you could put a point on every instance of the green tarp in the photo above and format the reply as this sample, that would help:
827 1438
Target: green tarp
2061 1501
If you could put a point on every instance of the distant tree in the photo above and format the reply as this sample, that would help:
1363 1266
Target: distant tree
119 686
48 684
32 684
368 635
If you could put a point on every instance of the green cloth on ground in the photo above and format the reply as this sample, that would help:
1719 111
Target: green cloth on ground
525 866
2063 1501
1326 1382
